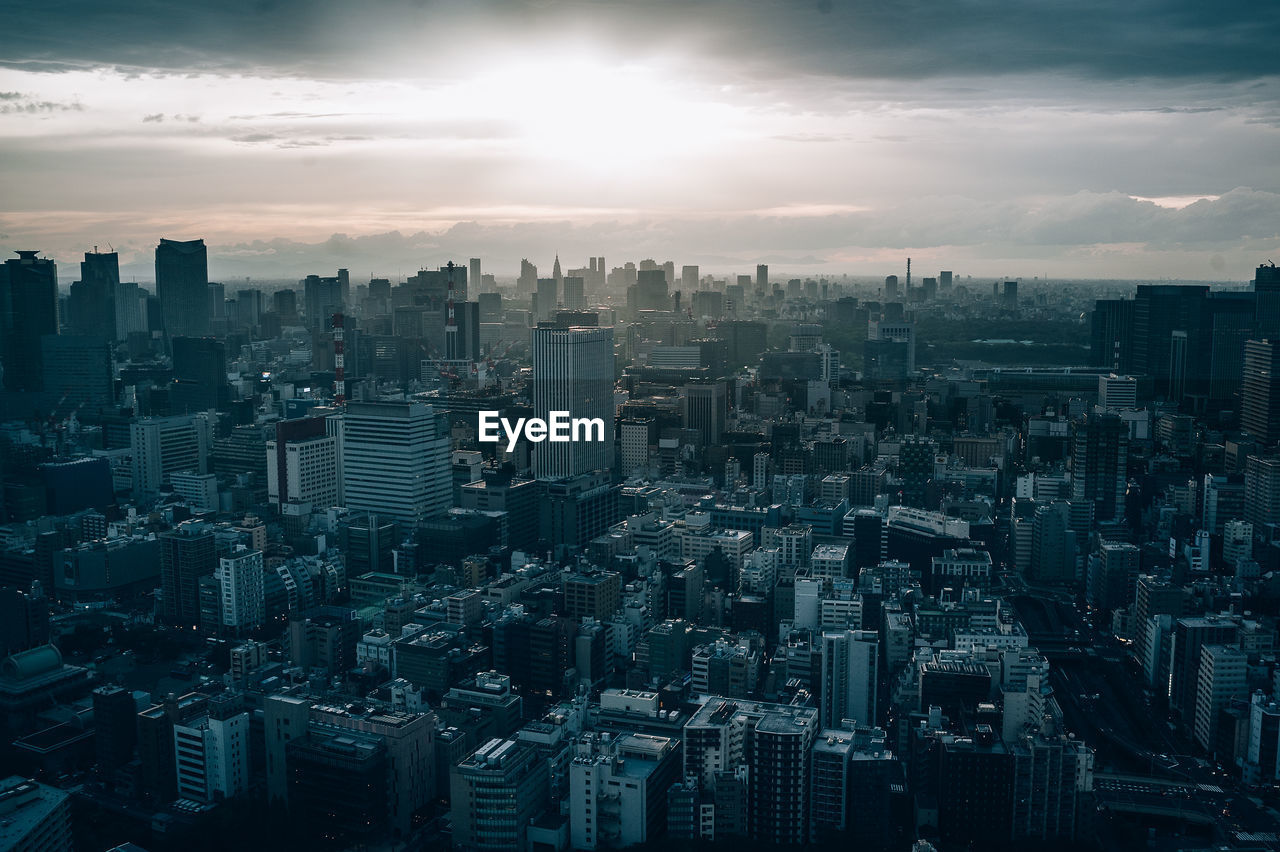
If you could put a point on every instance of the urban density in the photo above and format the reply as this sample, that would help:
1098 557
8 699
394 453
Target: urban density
928 561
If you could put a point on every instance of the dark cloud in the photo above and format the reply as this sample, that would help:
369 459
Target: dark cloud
912 39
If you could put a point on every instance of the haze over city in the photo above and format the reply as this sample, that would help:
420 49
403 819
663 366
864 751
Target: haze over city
995 138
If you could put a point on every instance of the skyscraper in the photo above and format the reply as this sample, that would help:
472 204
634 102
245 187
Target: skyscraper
93 297
182 284
395 460
28 311
849 677
1260 413
573 372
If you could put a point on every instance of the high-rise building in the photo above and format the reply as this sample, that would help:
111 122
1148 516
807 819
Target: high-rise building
77 368
182 285
573 372
548 298
115 727
1260 411
1099 468
162 446
1222 677
574 296
322 297
212 754
28 311
1262 491
1117 392
705 409
241 580
199 375
395 460
1161 310
92 304
849 675
303 467
1266 286
186 555
853 770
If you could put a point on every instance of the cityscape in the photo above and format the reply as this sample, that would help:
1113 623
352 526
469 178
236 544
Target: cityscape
544 426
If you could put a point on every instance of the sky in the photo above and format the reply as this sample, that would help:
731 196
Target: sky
1088 139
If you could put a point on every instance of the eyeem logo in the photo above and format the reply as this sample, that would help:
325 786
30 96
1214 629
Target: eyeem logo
561 428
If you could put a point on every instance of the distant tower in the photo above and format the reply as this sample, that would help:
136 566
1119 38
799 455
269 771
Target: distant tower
908 276
450 322
555 271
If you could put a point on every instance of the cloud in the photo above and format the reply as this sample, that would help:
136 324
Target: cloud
863 39
154 117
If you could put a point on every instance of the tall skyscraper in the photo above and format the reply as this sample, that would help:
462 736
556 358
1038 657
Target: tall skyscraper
321 298
1159 311
573 371
395 460
1266 285
1260 413
77 368
28 311
574 296
1111 340
705 408
849 675
93 298
182 284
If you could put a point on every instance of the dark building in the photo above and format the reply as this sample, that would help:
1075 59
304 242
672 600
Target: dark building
1111 340
975 791
28 311
338 783
182 285
1266 285
24 620
1260 414
199 375
71 486
1159 311
77 373
92 305
322 298
115 724
186 554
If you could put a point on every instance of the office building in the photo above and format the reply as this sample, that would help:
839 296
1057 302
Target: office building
161 446
28 311
211 755
618 789
77 372
182 286
1260 412
395 460
849 676
495 793
241 580
92 303
573 372
186 554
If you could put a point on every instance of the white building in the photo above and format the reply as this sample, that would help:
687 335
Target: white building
200 490
1222 676
395 460
212 757
618 788
310 472
162 446
240 579
1117 392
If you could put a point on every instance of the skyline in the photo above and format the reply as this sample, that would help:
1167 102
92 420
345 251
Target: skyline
995 139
